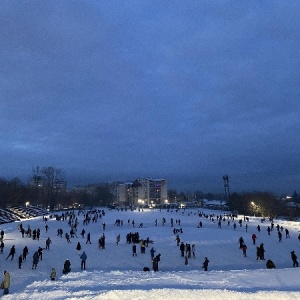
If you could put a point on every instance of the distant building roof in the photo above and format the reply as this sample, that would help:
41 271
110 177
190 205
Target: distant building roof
136 183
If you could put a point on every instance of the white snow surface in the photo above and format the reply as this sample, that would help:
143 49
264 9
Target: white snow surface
113 273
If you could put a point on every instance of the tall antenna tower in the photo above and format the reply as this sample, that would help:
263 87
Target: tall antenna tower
226 187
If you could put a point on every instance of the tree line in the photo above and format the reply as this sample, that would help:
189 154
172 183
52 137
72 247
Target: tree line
262 204
46 188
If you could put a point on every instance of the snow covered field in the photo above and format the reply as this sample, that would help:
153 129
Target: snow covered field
113 273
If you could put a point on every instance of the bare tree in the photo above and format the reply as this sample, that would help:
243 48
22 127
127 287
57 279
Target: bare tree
53 177
36 186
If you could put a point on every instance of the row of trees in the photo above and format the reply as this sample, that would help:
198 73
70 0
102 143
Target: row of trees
265 204
257 203
15 193
173 196
47 188
251 203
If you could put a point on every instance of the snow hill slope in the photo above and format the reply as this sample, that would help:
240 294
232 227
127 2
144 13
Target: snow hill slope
113 273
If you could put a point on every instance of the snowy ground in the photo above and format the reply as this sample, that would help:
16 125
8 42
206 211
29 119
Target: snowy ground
113 273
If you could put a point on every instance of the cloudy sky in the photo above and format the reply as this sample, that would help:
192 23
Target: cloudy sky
185 90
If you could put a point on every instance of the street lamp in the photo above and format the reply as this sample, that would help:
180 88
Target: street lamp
256 208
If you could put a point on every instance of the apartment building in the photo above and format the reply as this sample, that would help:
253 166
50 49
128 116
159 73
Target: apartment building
143 191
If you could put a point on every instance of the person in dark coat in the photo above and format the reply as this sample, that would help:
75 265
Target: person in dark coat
294 259
186 260
88 238
67 237
78 248
205 264
279 236
254 237
181 248
262 251
1 246
48 242
11 252
118 239
20 261
158 257
35 260
241 241
83 257
156 260
244 248
134 250
258 255
270 264
67 267
103 241
155 264
40 252
287 233
152 251
25 252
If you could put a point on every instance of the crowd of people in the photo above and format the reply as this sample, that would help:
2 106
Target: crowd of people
70 223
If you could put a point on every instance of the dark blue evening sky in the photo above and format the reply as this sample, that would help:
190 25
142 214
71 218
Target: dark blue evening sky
182 90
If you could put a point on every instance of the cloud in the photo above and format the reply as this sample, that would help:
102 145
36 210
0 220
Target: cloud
126 89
